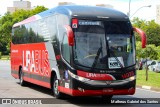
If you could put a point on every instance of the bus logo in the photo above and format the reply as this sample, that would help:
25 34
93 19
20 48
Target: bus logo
91 75
108 82
74 25
31 62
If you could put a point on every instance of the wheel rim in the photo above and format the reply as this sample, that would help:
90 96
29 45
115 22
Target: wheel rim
55 85
21 78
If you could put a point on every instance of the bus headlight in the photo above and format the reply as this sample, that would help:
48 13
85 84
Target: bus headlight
132 78
82 79
78 77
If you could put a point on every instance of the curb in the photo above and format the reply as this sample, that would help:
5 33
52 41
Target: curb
148 88
4 60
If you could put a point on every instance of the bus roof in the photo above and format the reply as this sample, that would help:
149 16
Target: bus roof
79 11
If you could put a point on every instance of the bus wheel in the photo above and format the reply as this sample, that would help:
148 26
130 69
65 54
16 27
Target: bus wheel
56 93
22 82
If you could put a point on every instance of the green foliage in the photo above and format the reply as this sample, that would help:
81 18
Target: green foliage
5 57
151 29
139 51
7 21
0 55
158 51
38 9
149 52
20 15
5 29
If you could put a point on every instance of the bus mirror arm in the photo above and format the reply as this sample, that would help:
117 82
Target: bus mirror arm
70 35
142 35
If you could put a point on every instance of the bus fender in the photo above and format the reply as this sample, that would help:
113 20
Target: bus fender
56 72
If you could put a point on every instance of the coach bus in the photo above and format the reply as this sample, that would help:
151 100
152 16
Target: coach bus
76 50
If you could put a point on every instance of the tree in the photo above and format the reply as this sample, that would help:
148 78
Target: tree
5 30
153 33
38 9
158 51
149 52
140 53
20 15
151 28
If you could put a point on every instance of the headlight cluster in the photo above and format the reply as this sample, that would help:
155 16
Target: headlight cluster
78 77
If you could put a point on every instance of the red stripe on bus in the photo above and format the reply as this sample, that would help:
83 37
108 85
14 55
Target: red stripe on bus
41 83
106 91
95 76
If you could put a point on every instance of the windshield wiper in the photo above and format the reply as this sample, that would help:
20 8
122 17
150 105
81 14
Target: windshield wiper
97 56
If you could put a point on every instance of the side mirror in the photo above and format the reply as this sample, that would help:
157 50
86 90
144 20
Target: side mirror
142 35
70 35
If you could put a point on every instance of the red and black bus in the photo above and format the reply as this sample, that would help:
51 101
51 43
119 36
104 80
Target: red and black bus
76 50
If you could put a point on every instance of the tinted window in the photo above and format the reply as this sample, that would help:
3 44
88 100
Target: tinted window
65 49
38 31
20 35
153 63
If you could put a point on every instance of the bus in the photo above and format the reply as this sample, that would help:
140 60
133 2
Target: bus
77 50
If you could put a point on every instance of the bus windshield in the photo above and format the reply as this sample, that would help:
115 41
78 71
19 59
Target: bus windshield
104 44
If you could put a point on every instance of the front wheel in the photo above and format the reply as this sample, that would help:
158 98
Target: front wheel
154 69
55 84
21 80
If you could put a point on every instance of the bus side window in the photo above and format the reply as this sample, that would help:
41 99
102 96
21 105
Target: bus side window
65 48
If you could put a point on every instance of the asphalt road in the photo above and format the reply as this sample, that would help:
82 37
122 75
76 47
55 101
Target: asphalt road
10 88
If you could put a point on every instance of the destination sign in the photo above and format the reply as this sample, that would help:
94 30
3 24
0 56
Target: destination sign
89 22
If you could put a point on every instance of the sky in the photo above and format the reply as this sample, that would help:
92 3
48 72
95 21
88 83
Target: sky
145 13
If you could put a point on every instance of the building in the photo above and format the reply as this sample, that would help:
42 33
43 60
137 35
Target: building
105 5
65 3
11 9
158 14
26 5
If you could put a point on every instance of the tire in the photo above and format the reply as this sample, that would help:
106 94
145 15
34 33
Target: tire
22 82
55 91
140 68
154 69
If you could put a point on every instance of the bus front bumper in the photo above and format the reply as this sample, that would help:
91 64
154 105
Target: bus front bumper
98 88
103 92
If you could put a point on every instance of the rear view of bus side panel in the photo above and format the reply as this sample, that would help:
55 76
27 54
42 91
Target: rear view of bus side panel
16 59
33 51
